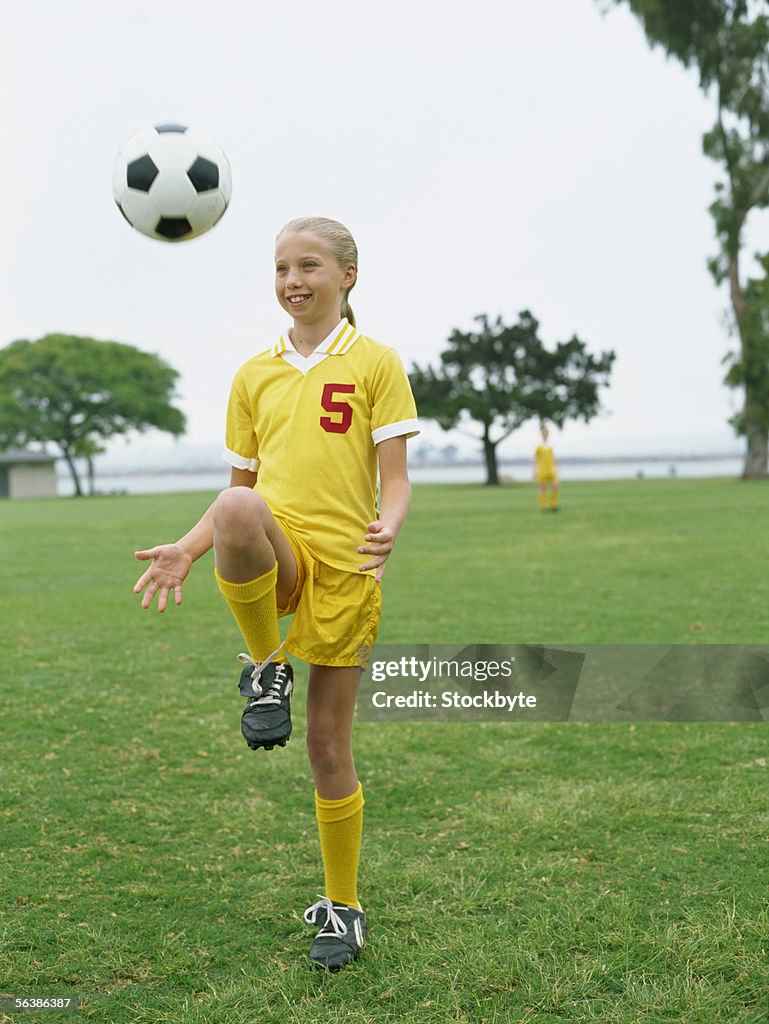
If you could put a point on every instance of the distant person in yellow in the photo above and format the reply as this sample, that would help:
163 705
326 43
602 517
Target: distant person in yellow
546 473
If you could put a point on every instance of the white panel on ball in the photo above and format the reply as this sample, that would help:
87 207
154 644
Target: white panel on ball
172 152
206 209
139 212
172 195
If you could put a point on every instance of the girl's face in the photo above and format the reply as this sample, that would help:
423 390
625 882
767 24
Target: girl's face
309 283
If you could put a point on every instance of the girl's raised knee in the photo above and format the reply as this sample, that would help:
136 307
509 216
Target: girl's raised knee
239 509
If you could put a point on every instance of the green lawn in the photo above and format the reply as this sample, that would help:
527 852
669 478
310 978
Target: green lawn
154 866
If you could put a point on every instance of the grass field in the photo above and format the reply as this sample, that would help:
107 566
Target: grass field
155 867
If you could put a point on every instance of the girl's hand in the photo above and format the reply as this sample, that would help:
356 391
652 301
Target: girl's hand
168 571
381 541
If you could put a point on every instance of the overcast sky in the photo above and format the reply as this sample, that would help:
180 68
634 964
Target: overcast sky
488 157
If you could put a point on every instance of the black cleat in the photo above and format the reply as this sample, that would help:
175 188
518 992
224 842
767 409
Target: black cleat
341 934
266 720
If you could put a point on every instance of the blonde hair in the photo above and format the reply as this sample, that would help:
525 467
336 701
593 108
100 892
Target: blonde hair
337 239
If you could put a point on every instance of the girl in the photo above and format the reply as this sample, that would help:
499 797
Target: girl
308 422
546 472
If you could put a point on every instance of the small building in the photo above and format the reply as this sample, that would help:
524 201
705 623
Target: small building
27 474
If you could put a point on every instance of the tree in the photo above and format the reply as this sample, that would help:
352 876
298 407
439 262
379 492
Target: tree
728 42
79 392
502 376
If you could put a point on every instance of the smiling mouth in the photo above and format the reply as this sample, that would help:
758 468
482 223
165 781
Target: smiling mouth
296 300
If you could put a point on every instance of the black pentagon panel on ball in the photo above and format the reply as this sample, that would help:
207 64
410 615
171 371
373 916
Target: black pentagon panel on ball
161 129
173 227
204 174
141 173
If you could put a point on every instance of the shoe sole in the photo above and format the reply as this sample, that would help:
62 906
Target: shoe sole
267 741
266 746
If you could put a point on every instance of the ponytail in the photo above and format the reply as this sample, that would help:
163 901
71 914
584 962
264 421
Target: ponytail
347 311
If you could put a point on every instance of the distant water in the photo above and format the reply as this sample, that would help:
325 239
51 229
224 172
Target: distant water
164 482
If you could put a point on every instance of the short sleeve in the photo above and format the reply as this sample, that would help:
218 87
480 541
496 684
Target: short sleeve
393 411
241 448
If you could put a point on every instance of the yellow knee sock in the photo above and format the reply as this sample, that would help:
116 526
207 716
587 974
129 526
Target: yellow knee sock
340 824
256 612
542 501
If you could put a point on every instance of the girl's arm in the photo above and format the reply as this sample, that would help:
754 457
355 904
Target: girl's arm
172 562
394 505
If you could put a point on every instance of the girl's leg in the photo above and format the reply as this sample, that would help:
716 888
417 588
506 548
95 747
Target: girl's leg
256 570
248 541
255 567
543 496
331 696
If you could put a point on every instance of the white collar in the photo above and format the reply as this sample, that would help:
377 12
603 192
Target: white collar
340 340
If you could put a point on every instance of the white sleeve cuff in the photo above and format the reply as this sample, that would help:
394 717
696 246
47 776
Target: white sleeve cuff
408 427
240 461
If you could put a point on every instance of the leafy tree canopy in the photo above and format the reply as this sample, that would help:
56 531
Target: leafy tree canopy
78 392
500 376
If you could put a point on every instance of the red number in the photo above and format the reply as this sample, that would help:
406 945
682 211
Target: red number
328 403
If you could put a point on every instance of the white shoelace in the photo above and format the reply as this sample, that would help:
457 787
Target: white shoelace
272 694
334 924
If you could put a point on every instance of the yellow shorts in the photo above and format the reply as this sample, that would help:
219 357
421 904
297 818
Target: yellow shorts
335 612
546 478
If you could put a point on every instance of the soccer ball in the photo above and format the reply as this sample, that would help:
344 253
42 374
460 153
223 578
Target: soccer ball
171 182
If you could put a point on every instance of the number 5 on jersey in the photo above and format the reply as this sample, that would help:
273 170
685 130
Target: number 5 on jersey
336 426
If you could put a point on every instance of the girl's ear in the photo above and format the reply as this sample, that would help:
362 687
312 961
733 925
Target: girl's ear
350 277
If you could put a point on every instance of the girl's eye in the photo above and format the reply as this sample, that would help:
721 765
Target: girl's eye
280 269
309 263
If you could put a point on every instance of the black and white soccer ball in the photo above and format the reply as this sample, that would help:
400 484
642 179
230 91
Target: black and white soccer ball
171 182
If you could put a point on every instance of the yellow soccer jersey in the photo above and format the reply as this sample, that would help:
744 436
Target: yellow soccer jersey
309 428
544 459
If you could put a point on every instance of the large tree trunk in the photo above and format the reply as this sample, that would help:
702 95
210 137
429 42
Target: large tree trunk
490 455
757 453
91 477
754 417
73 470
